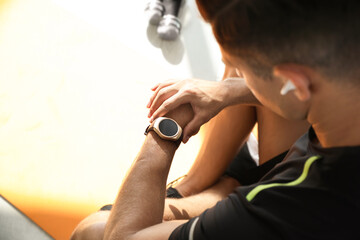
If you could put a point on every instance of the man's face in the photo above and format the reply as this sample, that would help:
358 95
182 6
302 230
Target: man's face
267 91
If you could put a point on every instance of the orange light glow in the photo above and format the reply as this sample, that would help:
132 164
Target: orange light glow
72 113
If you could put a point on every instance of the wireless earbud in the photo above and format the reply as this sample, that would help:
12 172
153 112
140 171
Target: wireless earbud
288 86
170 25
155 10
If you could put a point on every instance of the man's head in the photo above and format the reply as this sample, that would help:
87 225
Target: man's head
274 41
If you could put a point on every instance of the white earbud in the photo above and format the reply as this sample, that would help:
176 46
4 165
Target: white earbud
288 86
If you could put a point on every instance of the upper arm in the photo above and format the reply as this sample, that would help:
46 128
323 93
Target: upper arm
161 231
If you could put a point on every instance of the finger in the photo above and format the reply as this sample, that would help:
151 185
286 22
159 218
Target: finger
157 88
164 83
192 128
163 95
155 94
168 105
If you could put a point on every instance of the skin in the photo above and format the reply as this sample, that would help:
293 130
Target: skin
276 135
230 129
223 135
204 184
222 138
134 217
93 226
310 100
330 106
207 99
309 104
194 205
313 99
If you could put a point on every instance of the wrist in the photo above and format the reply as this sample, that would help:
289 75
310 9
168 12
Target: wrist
182 115
159 144
229 93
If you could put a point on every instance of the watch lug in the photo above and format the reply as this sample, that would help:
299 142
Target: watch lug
147 130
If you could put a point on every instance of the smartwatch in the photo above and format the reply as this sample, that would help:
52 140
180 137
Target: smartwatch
166 128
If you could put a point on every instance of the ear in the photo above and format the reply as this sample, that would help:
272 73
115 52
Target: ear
297 75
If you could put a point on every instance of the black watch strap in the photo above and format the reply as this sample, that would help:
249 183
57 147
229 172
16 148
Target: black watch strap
148 129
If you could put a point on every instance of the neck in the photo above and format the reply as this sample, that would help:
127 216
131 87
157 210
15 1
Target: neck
335 117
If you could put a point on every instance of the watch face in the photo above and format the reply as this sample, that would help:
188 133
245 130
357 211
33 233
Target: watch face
168 127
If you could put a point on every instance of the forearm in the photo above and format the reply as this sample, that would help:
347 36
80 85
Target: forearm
237 91
140 202
92 227
189 207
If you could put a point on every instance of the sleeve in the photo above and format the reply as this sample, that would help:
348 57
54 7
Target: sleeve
297 201
232 218
285 212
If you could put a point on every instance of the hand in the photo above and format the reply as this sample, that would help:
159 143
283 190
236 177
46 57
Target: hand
207 98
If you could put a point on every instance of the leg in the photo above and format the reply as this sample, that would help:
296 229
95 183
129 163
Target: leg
223 136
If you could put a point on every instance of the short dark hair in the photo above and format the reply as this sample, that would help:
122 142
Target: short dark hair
322 34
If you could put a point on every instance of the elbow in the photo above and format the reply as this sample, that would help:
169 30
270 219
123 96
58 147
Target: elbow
116 235
91 228
89 232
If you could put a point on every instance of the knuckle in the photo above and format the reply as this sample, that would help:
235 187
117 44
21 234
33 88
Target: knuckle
161 92
188 90
196 130
165 106
202 118
193 132
187 83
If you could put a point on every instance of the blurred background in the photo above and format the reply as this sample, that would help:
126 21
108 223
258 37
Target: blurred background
75 78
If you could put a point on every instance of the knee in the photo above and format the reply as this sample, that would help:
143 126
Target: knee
92 227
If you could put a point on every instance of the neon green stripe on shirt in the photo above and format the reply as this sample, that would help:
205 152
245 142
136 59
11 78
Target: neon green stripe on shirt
252 194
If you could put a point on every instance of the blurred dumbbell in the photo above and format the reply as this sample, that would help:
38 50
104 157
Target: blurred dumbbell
155 10
170 25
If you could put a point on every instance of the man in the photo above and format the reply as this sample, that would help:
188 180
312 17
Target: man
300 59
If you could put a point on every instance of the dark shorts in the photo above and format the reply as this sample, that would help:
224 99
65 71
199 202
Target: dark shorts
244 169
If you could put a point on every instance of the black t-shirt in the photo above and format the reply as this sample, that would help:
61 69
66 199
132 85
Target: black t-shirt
313 194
